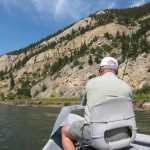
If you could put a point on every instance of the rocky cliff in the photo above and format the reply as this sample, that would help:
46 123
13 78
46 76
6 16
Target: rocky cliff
33 67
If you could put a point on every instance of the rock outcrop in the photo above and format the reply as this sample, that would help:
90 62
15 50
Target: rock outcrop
70 79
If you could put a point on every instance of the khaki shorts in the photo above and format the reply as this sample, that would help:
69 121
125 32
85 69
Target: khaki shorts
80 131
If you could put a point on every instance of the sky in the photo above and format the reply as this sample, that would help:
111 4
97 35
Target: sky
23 22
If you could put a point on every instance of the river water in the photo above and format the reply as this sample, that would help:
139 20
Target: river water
29 128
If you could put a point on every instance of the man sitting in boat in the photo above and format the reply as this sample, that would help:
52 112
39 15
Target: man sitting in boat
105 86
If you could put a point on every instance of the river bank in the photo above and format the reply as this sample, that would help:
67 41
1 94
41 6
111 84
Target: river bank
140 105
39 104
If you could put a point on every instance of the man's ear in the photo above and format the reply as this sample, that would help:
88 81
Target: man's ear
101 71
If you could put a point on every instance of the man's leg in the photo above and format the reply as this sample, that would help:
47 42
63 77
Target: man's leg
78 131
67 141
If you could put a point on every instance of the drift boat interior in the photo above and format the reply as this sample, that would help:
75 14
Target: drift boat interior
114 115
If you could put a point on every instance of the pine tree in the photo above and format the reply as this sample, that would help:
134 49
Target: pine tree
12 82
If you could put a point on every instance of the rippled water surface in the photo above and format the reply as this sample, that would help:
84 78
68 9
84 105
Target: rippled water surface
29 128
25 128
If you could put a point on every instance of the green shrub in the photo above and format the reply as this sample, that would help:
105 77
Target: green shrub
2 97
44 87
61 93
113 54
144 90
92 76
23 92
107 48
76 63
10 96
80 67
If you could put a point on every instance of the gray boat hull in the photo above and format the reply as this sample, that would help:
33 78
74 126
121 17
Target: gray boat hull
142 141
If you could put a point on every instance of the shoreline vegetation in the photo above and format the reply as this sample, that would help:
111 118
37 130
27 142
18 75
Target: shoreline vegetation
43 102
139 105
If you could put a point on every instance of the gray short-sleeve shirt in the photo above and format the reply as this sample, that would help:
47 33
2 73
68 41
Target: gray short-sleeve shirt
107 85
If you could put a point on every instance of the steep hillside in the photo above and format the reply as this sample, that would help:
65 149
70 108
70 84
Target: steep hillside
61 64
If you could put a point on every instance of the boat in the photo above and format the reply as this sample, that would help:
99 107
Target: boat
141 142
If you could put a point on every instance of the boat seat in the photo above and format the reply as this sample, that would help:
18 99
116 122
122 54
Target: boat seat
111 115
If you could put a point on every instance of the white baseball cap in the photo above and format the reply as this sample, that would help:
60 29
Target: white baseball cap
109 61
